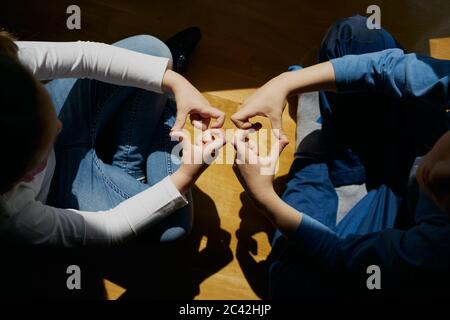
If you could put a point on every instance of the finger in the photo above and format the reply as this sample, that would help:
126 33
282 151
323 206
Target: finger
207 136
241 118
276 121
199 122
242 135
217 133
205 123
246 149
211 112
180 121
198 138
279 134
216 144
239 146
256 126
181 136
277 127
253 146
212 149
277 147
219 117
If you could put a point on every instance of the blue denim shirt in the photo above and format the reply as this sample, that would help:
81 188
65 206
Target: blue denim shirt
426 246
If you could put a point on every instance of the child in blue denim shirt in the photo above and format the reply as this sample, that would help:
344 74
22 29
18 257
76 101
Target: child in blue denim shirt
381 110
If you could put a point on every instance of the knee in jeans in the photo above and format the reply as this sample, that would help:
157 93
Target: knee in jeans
151 45
181 225
348 26
352 36
175 234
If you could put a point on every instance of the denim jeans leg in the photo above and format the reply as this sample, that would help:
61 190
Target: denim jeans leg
77 183
375 212
59 90
132 132
136 122
347 36
162 162
86 181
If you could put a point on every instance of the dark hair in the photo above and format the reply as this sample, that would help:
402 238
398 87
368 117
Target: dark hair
20 120
7 45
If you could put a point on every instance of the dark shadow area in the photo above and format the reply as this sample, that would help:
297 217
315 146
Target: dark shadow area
251 41
42 273
403 130
252 222
171 271
145 269
293 106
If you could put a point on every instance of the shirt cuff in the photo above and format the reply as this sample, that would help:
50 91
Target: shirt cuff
344 72
172 192
153 205
157 70
314 236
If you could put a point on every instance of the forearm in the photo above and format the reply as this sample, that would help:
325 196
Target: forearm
172 81
182 180
319 77
284 217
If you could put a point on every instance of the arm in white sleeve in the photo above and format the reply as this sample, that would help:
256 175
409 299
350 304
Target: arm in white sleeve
39 224
92 60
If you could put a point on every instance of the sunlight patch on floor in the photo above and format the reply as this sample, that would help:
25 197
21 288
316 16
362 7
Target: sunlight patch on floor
113 291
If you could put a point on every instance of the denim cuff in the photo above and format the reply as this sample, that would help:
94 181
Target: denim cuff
315 237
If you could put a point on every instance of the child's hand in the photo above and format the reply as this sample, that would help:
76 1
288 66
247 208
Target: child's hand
196 157
191 102
254 172
268 101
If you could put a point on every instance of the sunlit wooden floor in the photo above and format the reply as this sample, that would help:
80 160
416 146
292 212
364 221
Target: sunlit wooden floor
245 43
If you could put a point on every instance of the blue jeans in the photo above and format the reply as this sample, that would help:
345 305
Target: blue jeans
370 139
112 137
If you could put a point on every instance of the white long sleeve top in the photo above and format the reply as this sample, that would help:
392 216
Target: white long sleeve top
24 216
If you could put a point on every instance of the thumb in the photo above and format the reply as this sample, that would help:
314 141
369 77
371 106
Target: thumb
271 161
277 127
241 117
278 147
181 136
218 115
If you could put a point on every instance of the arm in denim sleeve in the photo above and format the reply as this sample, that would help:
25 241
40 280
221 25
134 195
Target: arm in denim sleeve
424 246
394 73
356 252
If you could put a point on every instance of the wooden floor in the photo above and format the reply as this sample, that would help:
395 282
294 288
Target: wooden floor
245 43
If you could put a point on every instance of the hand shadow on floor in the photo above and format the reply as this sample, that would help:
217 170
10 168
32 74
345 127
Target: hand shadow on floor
154 271
252 222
